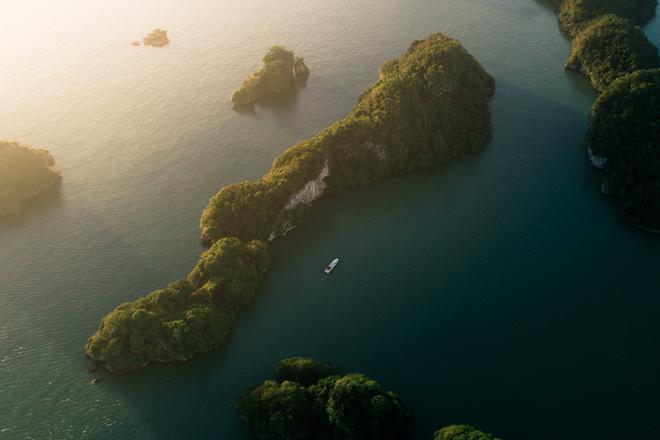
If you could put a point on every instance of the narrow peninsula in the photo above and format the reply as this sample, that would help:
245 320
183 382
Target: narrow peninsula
278 75
24 173
611 50
429 106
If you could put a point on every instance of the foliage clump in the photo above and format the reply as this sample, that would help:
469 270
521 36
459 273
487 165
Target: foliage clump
427 107
275 77
461 432
625 130
334 406
610 47
24 173
575 14
190 316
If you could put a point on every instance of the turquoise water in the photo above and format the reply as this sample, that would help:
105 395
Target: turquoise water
500 291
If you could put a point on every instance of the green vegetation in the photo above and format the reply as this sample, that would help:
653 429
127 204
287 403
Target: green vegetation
574 14
610 47
275 77
427 107
156 38
190 316
331 406
24 173
626 130
622 64
461 432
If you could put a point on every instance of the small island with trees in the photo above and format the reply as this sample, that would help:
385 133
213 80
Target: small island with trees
278 75
314 400
25 172
429 106
155 38
612 51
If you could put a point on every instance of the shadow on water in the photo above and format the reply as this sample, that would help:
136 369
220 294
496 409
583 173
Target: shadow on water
37 206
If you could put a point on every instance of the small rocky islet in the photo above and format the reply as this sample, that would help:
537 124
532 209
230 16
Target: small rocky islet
25 172
281 70
155 38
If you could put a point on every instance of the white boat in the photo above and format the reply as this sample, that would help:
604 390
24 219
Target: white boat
331 266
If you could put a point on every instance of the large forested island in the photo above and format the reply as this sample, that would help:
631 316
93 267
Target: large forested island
314 400
622 64
24 173
428 106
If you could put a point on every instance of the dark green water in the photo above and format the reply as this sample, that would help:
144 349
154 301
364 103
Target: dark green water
500 291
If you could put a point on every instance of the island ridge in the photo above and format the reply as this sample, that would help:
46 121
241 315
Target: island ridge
429 106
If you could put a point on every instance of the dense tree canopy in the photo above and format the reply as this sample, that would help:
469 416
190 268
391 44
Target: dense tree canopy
276 76
610 47
335 406
187 317
461 432
427 107
24 173
626 130
574 14
622 64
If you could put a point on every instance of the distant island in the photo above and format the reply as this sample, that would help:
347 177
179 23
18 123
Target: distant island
314 400
429 106
611 50
278 74
25 172
155 38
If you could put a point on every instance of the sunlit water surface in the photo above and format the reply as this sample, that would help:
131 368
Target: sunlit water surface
500 291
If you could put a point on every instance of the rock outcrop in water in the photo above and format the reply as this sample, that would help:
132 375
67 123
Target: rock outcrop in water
275 77
428 106
24 173
156 38
624 138
300 70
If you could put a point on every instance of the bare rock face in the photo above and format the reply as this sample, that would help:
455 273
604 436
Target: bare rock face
156 38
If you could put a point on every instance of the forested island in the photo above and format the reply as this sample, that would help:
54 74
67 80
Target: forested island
279 71
314 400
428 106
612 51
25 172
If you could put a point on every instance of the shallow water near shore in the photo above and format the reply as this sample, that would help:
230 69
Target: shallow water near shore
500 290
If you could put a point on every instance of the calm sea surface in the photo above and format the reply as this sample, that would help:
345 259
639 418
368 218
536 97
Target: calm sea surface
500 291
